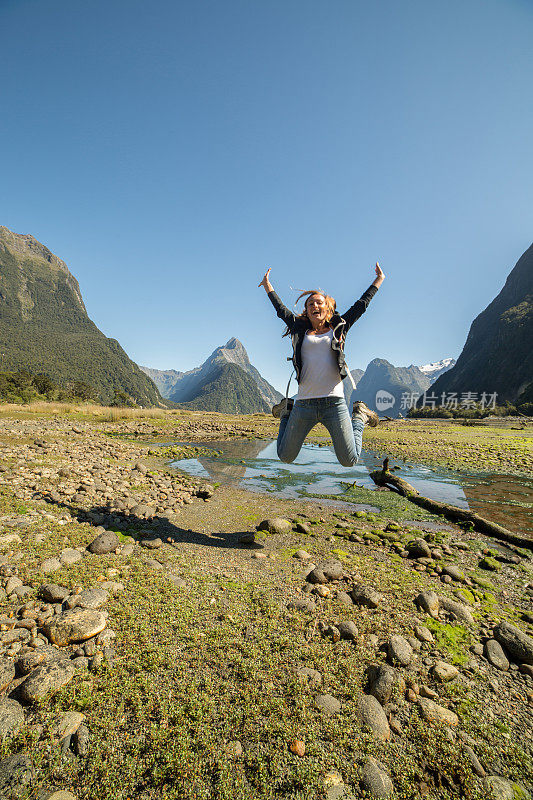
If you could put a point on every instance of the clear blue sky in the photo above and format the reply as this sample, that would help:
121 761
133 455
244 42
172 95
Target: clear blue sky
169 151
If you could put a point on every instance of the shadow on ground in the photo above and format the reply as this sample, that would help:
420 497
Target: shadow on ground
149 528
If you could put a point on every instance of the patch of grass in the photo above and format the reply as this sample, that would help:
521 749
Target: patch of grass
390 504
481 580
459 448
453 639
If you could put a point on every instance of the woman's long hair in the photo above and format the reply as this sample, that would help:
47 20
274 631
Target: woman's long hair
331 305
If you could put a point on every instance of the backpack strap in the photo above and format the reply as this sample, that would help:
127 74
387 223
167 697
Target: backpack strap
350 376
289 383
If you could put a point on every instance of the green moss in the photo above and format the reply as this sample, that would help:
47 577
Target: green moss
125 538
520 793
480 580
341 553
466 595
490 564
179 452
455 640
393 526
389 536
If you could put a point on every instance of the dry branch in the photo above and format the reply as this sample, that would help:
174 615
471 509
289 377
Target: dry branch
382 477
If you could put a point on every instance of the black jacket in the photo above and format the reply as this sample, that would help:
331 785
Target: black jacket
298 326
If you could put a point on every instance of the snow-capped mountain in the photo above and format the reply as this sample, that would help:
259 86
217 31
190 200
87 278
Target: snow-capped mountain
437 368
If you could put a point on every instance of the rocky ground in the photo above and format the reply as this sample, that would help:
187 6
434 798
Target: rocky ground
160 638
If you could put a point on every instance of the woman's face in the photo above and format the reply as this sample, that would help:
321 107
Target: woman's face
316 309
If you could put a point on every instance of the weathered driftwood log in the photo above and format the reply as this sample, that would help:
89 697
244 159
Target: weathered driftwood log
382 477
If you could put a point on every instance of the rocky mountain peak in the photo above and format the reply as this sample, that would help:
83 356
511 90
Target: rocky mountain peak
24 244
31 255
233 351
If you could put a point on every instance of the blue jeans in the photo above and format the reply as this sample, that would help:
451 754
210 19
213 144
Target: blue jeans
332 412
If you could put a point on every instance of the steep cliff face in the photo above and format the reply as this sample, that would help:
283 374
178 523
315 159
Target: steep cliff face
498 352
44 326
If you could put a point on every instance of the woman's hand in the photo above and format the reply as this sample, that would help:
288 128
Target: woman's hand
380 276
266 283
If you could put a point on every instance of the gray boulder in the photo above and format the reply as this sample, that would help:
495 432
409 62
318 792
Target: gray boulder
458 610
333 570
7 673
419 548
376 781
16 776
382 680
75 625
316 576
275 525
348 630
502 789
52 593
11 717
373 717
46 679
399 650
327 704
428 602
517 643
104 543
495 655
365 596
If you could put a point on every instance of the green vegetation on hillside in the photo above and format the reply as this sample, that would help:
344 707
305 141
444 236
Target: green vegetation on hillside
475 412
44 327
21 387
231 391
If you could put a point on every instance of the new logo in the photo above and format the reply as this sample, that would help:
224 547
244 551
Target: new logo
384 400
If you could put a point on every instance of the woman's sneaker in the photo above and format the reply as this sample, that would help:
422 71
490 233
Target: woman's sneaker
284 406
369 417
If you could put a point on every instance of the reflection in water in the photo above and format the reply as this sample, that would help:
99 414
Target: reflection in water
241 450
502 498
317 470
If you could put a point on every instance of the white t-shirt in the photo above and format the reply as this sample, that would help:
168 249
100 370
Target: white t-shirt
320 370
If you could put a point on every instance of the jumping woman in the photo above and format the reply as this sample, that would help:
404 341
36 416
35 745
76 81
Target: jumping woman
318 335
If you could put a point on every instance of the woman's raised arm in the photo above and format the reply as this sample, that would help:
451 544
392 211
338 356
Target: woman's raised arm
359 307
380 276
266 282
281 310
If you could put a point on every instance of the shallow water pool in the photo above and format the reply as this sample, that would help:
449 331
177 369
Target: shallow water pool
254 465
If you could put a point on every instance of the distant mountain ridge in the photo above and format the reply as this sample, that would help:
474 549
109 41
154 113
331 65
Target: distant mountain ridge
498 353
44 326
164 379
204 386
383 385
